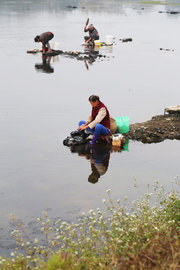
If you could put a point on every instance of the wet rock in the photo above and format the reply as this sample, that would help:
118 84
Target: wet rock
72 7
162 49
126 39
173 12
54 53
170 12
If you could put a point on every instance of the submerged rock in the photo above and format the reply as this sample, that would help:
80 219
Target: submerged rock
91 55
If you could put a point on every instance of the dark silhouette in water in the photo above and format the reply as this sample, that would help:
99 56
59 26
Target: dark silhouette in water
45 65
98 155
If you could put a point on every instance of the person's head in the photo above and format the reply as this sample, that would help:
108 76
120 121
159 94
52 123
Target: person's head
94 100
93 178
37 39
91 27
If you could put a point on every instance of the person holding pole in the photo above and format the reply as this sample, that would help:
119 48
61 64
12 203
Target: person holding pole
93 33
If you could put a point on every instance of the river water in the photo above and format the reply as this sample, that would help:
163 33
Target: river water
39 108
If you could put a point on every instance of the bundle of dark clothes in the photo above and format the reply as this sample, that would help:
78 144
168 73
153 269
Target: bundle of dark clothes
77 137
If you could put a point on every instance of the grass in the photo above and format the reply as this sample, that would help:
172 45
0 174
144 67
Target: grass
145 238
166 3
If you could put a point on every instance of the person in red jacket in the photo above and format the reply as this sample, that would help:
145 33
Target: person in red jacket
99 121
44 39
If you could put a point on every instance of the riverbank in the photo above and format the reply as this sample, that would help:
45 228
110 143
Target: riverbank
145 238
157 129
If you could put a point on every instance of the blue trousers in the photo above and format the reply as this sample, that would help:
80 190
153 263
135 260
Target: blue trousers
98 130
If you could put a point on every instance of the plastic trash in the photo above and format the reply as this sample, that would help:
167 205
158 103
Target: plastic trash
122 124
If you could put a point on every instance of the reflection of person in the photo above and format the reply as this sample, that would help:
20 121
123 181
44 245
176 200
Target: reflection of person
99 162
98 155
92 56
45 66
44 39
99 121
93 34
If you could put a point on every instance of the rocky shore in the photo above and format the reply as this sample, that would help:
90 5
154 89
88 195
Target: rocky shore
157 129
91 55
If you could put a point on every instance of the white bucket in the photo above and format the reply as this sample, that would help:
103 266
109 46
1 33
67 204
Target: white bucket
56 46
109 40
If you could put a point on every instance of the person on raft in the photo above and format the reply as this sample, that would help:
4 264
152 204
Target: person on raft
99 121
44 39
93 34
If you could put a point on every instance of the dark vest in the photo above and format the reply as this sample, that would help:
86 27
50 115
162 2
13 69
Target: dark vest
106 121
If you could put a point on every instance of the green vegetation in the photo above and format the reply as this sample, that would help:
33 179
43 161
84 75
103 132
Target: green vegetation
145 238
154 2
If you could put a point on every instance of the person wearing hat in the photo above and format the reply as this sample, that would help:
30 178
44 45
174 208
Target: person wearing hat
44 39
93 33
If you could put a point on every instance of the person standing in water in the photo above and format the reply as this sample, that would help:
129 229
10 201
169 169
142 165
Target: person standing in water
44 39
93 33
99 121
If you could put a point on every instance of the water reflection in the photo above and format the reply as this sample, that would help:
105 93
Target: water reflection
99 156
93 54
45 66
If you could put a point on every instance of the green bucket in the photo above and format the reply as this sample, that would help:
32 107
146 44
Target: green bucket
122 124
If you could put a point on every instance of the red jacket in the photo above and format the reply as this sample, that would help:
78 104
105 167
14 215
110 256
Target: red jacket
106 121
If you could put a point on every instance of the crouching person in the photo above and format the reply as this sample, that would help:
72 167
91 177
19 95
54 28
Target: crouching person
99 121
44 38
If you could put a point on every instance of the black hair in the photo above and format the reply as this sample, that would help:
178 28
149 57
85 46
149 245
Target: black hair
93 98
36 39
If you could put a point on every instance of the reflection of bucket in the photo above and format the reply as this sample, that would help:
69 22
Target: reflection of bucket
109 40
97 43
55 46
56 58
108 49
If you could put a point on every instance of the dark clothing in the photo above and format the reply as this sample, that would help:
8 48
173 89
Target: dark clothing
45 37
106 120
92 33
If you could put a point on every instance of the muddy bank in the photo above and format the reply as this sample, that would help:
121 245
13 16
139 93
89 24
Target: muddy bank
157 129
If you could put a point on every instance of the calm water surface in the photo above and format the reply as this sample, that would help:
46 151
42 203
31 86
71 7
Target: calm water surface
39 109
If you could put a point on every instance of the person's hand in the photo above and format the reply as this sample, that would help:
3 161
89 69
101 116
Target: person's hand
82 127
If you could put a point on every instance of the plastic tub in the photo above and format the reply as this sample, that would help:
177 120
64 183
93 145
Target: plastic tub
122 124
109 40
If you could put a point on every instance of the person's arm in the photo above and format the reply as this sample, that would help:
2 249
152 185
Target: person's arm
100 116
85 29
84 126
87 41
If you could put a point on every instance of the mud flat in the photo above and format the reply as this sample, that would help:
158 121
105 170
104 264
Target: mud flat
157 129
